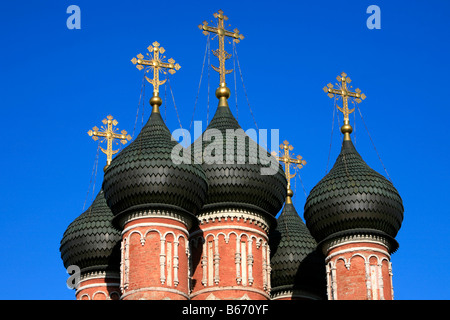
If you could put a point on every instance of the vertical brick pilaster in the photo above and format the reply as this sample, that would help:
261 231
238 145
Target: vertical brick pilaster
155 258
359 270
230 255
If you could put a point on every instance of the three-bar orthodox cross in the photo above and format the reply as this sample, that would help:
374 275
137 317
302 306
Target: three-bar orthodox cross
344 92
221 33
109 133
288 161
156 64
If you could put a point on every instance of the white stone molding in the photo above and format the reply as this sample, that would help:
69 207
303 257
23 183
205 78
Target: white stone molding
331 281
162 289
264 265
100 292
373 272
237 261
204 264
356 249
99 275
163 259
235 214
84 295
168 214
250 261
216 260
234 228
95 285
211 264
175 263
354 239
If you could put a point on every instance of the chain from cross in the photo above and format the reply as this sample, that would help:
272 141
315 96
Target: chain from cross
288 161
109 133
344 92
221 33
156 64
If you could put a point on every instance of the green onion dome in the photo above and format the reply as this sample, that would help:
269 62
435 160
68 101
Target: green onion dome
235 177
144 176
90 241
353 199
296 264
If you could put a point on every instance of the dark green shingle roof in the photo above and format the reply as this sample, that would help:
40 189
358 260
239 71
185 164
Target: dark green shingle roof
90 241
295 262
240 184
144 175
353 198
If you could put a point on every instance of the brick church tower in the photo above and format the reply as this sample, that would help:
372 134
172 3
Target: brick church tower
200 223
154 202
354 213
231 256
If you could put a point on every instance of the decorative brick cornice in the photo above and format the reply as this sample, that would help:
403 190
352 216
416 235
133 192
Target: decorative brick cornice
172 213
238 214
332 243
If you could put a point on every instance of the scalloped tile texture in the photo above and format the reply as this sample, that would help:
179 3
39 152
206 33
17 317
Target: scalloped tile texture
91 241
241 183
144 173
353 196
294 260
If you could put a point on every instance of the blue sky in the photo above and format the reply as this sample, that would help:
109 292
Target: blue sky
57 83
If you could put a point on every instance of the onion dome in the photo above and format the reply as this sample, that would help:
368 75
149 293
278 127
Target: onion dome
91 242
353 199
144 176
296 264
235 177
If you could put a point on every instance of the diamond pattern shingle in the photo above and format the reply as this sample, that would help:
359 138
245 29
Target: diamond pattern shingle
90 241
296 264
241 183
352 196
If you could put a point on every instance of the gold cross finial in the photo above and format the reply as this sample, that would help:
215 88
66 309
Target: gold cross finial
157 65
344 92
221 33
109 133
288 161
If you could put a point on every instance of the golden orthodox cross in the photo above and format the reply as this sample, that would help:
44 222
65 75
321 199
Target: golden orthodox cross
288 161
156 64
221 33
109 133
344 92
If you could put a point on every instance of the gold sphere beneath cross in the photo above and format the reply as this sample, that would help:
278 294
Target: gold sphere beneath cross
155 101
222 91
346 128
290 193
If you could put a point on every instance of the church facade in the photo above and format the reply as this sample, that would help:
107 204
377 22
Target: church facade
207 230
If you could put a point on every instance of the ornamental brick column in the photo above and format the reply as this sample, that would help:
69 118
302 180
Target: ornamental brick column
155 256
98 286
230 256
359 268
